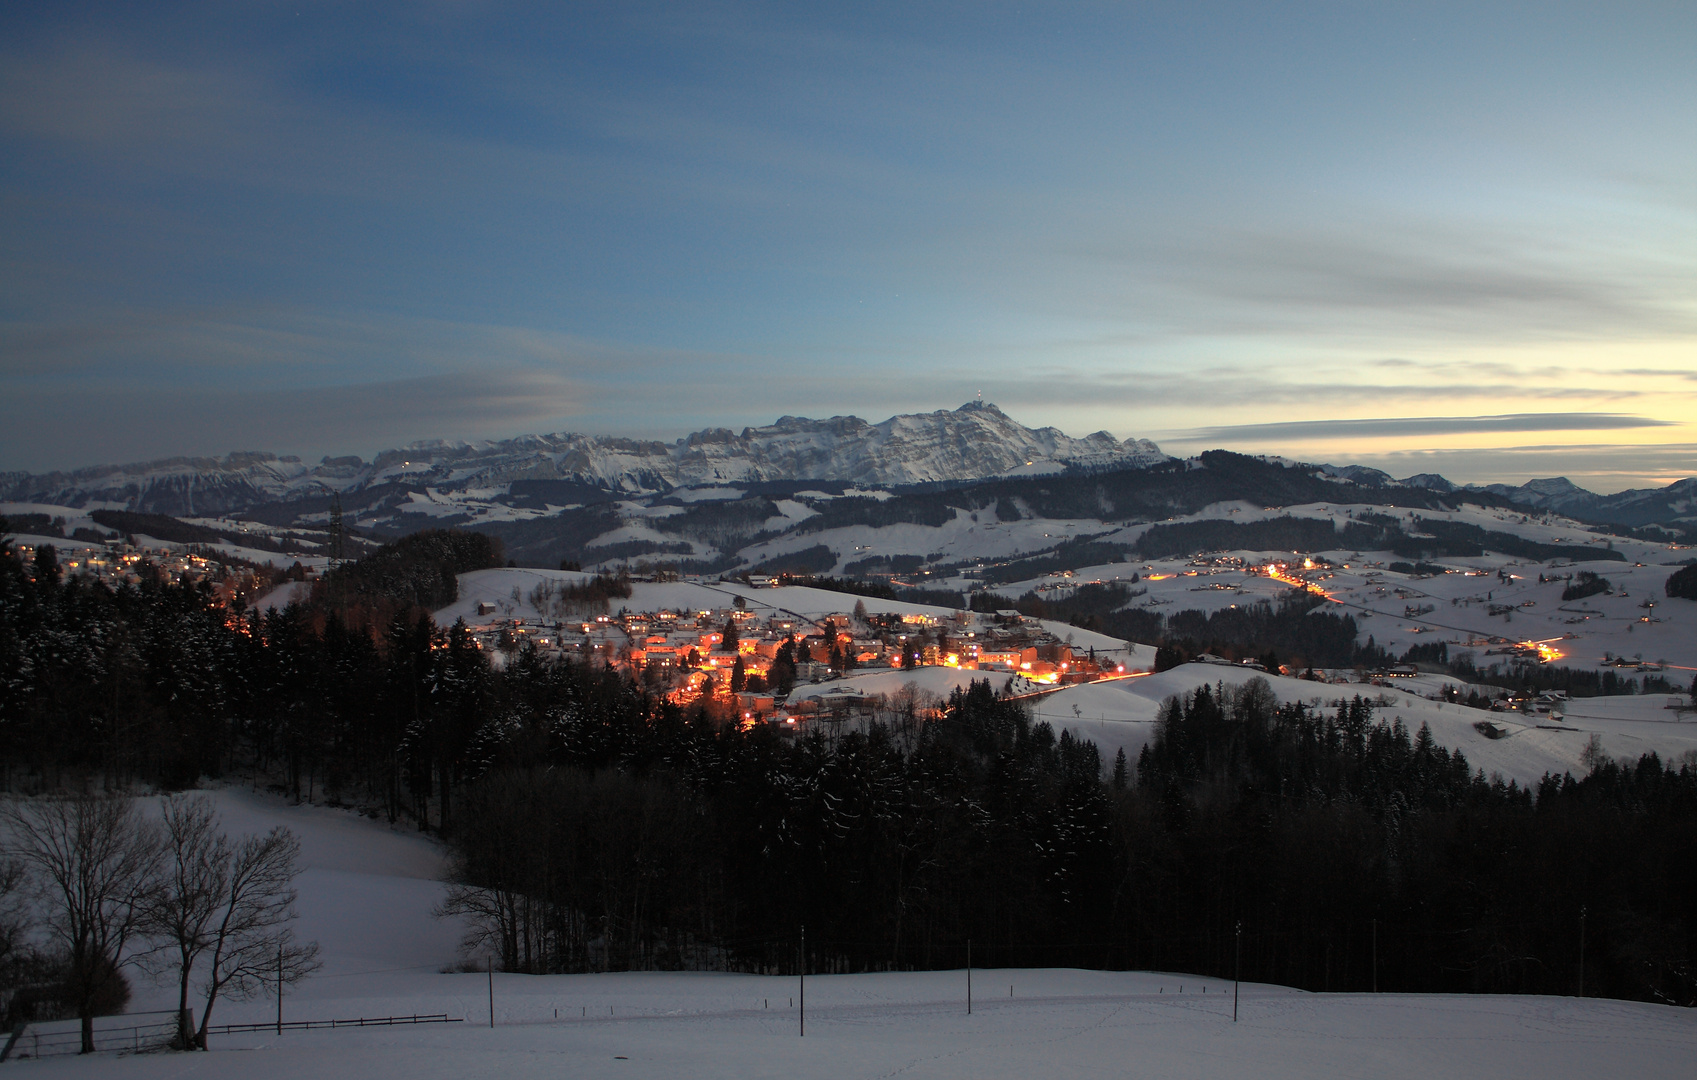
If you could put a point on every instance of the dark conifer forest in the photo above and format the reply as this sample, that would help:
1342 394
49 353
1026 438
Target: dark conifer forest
594 826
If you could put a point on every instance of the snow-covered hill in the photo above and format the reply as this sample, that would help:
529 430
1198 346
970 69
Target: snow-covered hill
367 897
972 442
1122 714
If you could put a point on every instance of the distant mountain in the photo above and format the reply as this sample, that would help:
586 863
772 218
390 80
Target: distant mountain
1428 481
1359 474
974 442
1676 503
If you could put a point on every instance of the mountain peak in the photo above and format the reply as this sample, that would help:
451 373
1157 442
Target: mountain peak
974 442
1554 486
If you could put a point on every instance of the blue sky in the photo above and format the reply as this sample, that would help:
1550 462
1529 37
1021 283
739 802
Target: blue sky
1430 238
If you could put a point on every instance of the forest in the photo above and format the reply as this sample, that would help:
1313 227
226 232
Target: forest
596 827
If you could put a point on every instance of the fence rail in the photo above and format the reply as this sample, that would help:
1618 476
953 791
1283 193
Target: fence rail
29 1042
315 1025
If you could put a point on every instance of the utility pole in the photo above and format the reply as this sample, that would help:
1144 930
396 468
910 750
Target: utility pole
1375 956
1237 973
338 546
279 990
969 976
804 981
1582 950
490 960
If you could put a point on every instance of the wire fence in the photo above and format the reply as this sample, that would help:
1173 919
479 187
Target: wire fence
55 1038
61 1037
316 1025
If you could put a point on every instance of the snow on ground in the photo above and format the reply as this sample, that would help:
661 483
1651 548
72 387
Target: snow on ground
888 682
283 595
59 543
968 536
75 517
706 494
1121 714
1072 1024
367 895
496 586
262 557
635 532
789 513
1636 619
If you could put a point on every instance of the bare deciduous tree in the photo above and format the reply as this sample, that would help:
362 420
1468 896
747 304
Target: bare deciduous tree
95 861
223 909
14 922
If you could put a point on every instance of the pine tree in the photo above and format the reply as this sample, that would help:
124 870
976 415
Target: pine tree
782 673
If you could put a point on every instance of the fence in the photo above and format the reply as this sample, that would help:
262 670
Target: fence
52 1038
315 1025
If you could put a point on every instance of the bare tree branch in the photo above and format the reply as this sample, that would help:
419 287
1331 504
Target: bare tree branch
94 861
225 908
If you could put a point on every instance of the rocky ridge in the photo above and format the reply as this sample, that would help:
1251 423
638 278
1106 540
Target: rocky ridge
974 442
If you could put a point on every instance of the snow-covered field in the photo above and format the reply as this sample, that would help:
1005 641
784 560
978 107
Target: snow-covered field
1122 714
368 891
1635 619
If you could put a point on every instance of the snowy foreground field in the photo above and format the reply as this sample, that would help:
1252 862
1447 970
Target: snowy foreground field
368 892
1072 1023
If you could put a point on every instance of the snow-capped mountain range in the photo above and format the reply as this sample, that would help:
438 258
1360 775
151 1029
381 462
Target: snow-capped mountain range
974 442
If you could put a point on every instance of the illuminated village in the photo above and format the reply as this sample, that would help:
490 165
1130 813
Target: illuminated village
752 659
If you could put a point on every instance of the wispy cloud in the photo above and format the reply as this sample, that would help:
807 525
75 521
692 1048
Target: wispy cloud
124 424
670 220
1405 426
1601 467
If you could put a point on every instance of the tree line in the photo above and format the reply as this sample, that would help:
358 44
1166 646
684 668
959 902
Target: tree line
1354 853
596 826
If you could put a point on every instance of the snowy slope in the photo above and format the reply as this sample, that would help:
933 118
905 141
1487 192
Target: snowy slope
365 901
1122 714
497 587
1585 632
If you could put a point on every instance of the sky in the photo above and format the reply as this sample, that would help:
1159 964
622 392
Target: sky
1423 237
